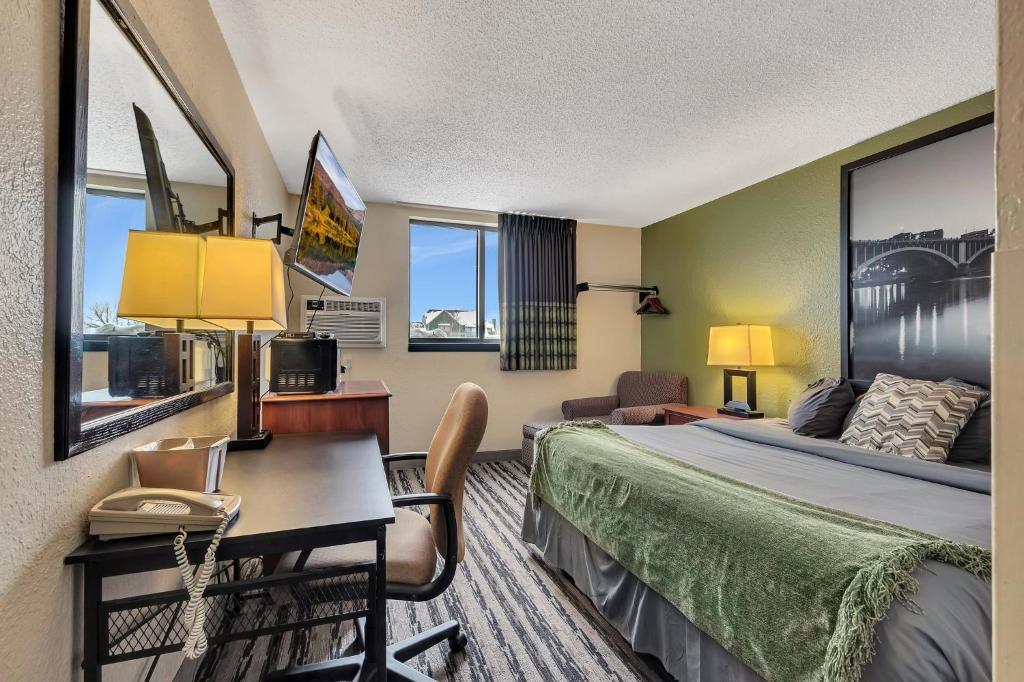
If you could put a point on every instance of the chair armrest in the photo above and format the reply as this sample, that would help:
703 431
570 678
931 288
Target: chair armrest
401 457
451 551
589 407
639 414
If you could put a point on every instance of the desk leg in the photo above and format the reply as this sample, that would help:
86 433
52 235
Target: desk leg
92 632
376 625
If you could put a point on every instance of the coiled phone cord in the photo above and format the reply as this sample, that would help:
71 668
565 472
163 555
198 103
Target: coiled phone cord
195 585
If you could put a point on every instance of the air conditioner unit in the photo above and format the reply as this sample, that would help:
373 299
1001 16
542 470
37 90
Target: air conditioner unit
355 322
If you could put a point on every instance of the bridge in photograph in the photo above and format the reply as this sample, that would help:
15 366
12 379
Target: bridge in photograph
961 252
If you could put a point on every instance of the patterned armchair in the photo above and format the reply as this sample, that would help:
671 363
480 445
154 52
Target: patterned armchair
639 399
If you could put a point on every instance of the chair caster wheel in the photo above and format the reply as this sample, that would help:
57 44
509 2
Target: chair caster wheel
458 642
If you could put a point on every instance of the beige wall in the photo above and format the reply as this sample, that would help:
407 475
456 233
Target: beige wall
422 383
43 503
1008 357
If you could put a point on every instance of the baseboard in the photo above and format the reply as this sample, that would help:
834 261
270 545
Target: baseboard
488 456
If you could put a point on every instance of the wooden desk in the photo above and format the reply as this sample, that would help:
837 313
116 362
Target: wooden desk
356 407
301 492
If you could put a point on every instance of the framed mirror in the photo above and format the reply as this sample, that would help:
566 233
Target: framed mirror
134 156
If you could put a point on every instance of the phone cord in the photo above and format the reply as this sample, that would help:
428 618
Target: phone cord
195 585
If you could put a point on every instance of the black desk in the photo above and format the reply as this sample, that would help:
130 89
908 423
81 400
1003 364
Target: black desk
303 491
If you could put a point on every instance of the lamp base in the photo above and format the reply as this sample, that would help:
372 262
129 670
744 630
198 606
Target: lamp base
257 441
730 411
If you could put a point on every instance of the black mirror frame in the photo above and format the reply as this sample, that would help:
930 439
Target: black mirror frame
69 437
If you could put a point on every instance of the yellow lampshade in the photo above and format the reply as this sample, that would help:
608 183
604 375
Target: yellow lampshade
243 282
741 345
160 284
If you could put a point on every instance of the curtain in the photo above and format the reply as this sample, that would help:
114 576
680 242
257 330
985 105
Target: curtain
537 285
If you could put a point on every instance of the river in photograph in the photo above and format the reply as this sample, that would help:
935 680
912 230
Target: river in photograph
923 329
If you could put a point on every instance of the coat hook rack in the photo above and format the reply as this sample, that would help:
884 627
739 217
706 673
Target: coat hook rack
649 303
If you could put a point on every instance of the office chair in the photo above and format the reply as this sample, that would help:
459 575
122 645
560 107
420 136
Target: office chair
413 542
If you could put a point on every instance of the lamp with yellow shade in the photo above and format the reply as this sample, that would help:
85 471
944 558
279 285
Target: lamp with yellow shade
160 288
741 345
243 290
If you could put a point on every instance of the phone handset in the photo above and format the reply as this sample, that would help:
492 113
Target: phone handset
130 499
195 584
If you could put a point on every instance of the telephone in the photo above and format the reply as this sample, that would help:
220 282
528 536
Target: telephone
146 511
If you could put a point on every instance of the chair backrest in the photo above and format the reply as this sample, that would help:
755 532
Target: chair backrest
651 388
451 450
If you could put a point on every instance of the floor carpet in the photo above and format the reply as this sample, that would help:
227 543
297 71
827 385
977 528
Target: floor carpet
524 621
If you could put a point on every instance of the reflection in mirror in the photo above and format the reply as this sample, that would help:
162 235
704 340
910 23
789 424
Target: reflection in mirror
147 169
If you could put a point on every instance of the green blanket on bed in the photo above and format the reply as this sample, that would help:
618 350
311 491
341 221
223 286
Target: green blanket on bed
790 588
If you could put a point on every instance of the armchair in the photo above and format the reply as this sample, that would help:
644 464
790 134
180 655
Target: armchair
639 399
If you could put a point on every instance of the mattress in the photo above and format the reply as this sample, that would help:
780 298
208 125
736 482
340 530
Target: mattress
950 639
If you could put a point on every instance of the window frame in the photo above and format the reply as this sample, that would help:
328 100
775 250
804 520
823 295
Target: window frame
463 345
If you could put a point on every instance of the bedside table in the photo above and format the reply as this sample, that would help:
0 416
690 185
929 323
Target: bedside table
684 414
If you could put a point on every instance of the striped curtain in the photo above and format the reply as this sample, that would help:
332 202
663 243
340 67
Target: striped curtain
537 284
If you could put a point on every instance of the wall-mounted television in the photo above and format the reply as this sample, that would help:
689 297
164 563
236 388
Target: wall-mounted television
330 222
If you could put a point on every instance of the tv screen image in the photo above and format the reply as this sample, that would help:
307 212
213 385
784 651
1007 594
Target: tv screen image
330 222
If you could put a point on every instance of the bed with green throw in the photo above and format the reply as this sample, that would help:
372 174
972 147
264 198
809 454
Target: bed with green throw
800 560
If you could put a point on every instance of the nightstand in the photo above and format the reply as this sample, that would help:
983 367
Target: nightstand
684 414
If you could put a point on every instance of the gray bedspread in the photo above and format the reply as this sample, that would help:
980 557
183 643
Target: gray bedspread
949 640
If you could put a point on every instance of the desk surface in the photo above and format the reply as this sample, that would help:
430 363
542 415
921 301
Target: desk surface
347 390
303 490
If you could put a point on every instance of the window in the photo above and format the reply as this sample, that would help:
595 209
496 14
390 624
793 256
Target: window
109 216
453 287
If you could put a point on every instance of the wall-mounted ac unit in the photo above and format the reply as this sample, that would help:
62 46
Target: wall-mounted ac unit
356 322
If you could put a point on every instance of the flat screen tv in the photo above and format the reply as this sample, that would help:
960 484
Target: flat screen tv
330 222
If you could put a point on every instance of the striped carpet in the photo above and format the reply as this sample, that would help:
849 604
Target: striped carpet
524 621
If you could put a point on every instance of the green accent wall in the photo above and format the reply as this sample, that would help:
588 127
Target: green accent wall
765 254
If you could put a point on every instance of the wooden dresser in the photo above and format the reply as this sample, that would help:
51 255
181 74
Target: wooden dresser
355 407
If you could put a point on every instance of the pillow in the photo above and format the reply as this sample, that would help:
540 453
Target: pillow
818 412
911 417
974 444
853 411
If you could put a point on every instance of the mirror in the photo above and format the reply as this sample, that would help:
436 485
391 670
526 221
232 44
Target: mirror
135 156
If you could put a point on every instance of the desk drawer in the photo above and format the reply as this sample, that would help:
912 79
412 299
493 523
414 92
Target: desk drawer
245 607
675 418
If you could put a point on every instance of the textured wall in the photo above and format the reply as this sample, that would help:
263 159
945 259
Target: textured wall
608 334
42 503
1008 357
766 254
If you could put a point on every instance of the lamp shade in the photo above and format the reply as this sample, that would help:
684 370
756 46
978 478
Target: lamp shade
741 345
243 282
160 284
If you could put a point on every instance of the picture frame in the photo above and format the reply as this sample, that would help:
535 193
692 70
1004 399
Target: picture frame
917 227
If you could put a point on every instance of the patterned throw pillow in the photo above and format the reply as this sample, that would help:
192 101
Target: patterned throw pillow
911 417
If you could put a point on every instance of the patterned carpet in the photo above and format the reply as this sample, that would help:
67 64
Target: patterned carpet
524 621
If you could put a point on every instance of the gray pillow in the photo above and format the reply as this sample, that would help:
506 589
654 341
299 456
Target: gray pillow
974 444
853 410
819 411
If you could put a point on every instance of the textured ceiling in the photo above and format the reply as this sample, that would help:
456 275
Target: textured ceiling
119 77
621 113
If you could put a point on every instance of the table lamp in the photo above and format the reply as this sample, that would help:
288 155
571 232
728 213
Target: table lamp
243 290
160 288
742 345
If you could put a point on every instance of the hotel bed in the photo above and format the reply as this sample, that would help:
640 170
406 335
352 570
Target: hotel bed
947 636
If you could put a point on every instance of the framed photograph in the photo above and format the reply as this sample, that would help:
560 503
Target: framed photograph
918 230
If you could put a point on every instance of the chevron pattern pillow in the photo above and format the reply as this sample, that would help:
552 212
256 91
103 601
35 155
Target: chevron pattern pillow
911 417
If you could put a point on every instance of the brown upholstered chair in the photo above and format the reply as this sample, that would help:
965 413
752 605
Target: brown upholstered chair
413 542
640 398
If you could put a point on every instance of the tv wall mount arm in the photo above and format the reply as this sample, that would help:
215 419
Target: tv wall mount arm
275 218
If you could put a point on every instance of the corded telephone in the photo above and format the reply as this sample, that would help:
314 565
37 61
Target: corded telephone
146 511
